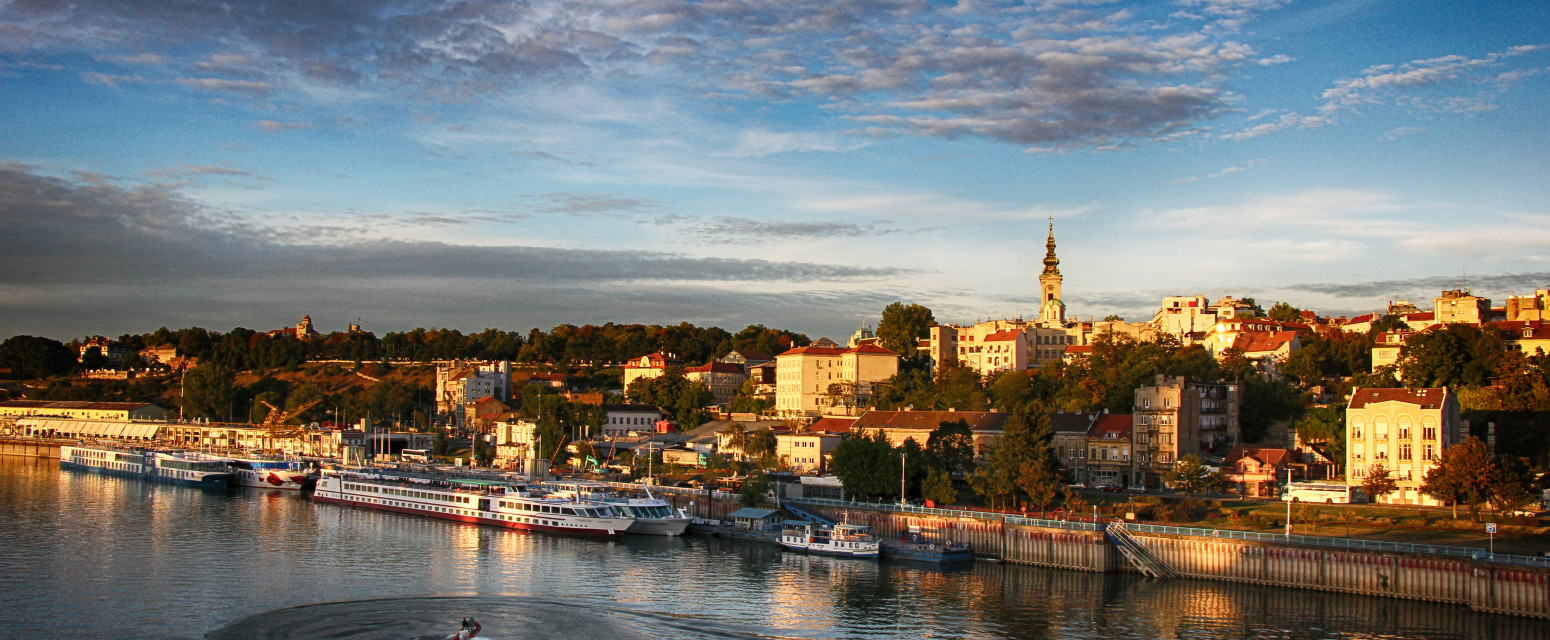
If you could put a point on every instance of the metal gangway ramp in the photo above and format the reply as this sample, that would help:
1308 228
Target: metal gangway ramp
806 515
1136 553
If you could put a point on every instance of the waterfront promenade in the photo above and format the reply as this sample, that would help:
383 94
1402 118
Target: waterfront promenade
1502 584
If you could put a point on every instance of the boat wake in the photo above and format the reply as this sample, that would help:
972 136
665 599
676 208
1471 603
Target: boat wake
433 618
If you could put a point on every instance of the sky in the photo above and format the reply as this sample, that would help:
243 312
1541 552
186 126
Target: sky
792 163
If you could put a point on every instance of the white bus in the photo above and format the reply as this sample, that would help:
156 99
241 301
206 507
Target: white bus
414 455
1320 492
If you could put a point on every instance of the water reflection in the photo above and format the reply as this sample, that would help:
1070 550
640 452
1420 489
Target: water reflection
149 560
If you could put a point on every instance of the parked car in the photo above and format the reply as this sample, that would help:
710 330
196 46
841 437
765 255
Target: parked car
1110 488
1077 485
1137 488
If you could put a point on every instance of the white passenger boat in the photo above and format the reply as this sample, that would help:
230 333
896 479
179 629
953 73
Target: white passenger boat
475 501
268 473
653 516
846 540
176 467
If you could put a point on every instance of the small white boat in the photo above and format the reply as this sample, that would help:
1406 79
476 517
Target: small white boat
844 539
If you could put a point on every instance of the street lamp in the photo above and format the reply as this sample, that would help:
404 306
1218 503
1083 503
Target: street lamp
902 501
1288 503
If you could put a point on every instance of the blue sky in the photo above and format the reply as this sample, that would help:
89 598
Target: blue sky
798 164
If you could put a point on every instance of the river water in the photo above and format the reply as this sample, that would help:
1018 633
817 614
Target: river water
88 556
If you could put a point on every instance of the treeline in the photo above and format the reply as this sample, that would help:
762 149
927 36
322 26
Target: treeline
244 349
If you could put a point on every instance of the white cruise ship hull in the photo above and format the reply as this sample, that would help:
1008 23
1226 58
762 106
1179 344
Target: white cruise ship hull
491 510
659 526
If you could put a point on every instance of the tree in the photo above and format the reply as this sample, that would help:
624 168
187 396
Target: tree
761 445
938 487
903 326
1512 483
1264 402
1191 475
1285 312
1075 503
737 438
41 357
1020 464
950 447
751 494
93 359
208 392
1379 482
1463 474
841 394
1324 428
866 465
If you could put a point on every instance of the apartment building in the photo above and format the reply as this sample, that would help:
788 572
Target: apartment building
1406 431
819 380
1176 417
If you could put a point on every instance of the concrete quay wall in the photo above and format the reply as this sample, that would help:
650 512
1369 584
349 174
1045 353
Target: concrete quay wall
30 448
1482 586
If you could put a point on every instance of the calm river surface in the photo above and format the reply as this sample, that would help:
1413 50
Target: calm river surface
87 556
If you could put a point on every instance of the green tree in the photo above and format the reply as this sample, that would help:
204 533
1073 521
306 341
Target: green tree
1512 483
939 488
1264 402
755 486
208 392
761 445
745 402
1285 312
950 447
737 439
1020 464
1463 474
41 357
1190 475
866 465
1324 429
903 326
93 359
1379 482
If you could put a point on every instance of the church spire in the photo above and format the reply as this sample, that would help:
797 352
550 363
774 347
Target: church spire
1051 263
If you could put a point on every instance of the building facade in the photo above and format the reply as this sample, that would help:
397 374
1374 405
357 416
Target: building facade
1406 431
817 380
648 366
721 378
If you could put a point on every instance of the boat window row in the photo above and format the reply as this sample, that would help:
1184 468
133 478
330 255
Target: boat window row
408 493
587 512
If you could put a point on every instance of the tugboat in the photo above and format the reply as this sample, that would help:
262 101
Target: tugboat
844 539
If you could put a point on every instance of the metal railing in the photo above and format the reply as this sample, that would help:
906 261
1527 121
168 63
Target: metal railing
1343 543
1074 524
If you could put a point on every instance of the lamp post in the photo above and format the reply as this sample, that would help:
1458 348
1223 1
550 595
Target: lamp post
902 468
1288 503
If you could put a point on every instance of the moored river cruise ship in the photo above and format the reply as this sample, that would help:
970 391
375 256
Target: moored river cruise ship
475 501
176 467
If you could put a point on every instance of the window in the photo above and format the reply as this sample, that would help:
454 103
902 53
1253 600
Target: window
1356 427
1428 452
1404 451
1380 428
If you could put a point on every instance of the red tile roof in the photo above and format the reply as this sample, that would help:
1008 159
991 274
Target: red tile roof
1079 349
1262 341
832 425
1272 456
1429 398
715 367
831 351
1117 424
929 420
1004 335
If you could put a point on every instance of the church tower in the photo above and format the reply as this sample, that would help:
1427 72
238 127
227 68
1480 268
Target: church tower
1052 312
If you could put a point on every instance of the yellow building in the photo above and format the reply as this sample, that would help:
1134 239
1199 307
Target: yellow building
1405 430
82 410
648 366
1458 306
806 452
818 380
